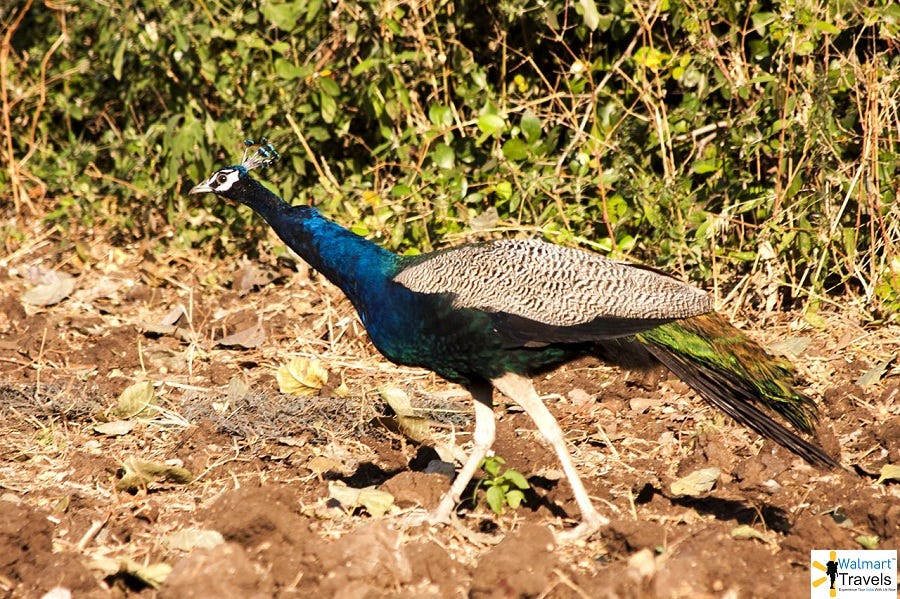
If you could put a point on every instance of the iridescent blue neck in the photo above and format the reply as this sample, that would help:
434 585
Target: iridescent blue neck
353 263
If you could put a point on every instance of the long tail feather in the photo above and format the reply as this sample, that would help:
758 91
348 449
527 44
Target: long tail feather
736 375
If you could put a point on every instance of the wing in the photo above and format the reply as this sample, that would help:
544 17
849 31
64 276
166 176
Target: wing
541 292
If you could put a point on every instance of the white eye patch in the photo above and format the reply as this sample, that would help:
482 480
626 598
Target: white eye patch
224 179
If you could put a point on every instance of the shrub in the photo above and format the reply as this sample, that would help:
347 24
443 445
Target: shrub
755 145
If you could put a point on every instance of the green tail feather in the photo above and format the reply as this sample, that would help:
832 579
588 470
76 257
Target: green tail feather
737 375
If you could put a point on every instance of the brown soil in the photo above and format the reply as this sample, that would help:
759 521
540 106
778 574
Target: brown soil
265 465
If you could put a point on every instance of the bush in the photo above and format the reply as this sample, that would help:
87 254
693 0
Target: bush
754 145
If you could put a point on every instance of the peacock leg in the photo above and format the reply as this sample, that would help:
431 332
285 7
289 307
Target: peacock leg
521 390
482 439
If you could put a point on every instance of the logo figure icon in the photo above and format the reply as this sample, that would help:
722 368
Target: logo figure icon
831 571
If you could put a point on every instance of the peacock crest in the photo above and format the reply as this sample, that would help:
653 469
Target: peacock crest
259 154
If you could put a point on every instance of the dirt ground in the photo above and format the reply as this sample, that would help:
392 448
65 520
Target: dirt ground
220 486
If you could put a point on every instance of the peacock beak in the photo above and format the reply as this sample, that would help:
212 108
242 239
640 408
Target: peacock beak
201 188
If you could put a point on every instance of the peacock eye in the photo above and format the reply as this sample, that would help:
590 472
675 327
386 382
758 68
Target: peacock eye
221 179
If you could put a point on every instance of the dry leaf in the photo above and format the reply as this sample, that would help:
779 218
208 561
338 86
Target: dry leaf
319 465
301 376
137 400
642 404
295 441
54 288
579 396
237 389
868 541
486 220
748 532
874 374
397 399
248 338
697 483
152 575
104 287
174 316
249 276
168 325
115 428
407 422
795 346
889 472
375 501
194 538
141 473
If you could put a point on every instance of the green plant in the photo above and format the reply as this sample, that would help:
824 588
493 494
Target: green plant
502 489
741 144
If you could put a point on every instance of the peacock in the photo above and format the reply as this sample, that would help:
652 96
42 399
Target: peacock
490 315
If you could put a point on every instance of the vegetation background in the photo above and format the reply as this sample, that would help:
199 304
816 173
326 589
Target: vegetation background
750 146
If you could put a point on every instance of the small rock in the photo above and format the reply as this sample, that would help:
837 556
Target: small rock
642 565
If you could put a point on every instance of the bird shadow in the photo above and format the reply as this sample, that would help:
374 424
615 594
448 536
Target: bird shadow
367 474
740 512
536 496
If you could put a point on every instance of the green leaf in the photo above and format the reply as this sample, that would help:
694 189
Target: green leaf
744 256
590 13
515 149
531 127
283 15
761 20
329 86
496 499
701 167
139 474
439 115
376 501
368 64
328 107
287 70
826 27
503 190
491 124
805 48
153 575
492 465
401 190
516 478
313 7
515 498
119 59
650 57
443 156
745 531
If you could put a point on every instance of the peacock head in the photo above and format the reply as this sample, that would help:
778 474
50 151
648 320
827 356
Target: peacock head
233 181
